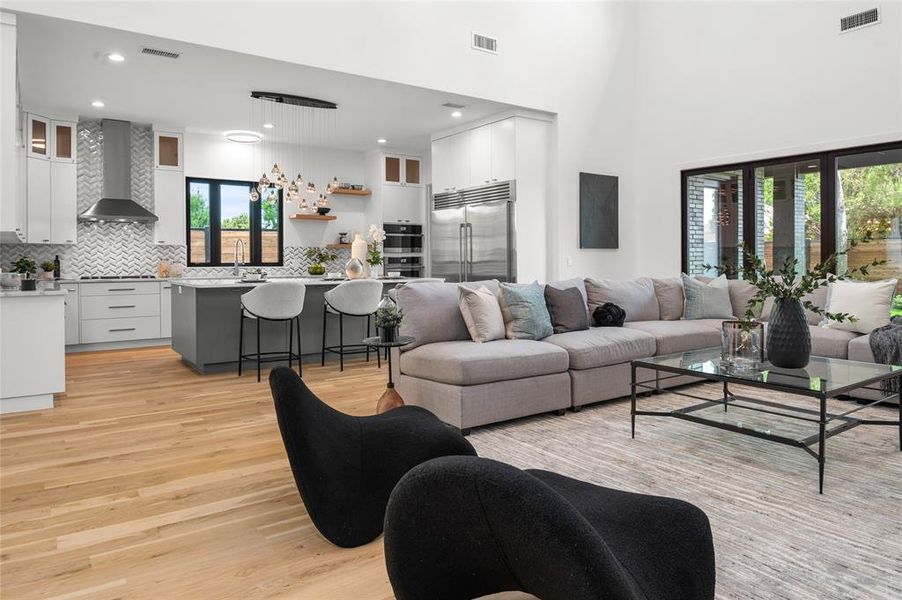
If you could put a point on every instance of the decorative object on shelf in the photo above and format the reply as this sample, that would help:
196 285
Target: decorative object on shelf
24 266
47 270
343 238
354 268
388 319
319 256
297 120
788 340
374 255
323 210
742 345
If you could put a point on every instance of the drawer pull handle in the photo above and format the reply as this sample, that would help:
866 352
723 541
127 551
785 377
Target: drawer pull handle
123 306
121 289
123 329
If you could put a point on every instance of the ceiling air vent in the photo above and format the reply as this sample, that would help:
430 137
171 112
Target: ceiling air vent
160 53
859 20
484 43
454 105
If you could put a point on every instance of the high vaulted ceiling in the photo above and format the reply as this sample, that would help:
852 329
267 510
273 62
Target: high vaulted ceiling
63 67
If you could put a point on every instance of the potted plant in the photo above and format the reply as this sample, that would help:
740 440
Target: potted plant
788 337
318 256
374 255
388 320
47 269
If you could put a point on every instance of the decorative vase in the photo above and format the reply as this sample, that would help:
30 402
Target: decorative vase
742 346
354 268
386 302
376 271
788 336
316 269
388 334
47 275
358 250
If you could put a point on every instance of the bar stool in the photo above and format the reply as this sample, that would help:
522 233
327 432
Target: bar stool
280 301
357 298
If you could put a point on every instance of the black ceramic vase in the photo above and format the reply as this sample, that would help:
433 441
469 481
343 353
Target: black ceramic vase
388 334
788 336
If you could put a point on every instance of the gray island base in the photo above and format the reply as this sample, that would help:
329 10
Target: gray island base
205 323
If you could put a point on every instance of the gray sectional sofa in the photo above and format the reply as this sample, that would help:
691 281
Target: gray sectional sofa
468 384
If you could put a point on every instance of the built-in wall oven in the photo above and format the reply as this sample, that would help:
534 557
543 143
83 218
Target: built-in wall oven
403 248
406 266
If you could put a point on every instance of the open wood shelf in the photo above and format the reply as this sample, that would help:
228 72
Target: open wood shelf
352 192
339 246
312 217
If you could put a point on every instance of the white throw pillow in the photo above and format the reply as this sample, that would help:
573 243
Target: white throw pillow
709 300
481 313
869 302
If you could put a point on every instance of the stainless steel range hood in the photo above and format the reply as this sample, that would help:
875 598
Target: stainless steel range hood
116 204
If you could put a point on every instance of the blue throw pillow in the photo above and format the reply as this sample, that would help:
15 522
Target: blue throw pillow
524 304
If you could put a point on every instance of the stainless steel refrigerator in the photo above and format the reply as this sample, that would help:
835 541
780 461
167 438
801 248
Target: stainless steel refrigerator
472 234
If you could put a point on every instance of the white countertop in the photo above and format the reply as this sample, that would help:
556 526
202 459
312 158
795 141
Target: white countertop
212 283
32 294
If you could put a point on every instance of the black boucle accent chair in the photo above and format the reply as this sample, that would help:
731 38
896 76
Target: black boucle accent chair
345 467
463 527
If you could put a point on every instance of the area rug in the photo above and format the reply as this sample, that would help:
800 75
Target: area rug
775 537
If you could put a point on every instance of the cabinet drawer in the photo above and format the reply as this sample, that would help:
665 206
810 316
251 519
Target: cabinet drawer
126 287
119 330
122 305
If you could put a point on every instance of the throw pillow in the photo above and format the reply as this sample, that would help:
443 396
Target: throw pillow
566 308
635 296
670 297
579 284
707 300
481 313
869 302
608 315
529 318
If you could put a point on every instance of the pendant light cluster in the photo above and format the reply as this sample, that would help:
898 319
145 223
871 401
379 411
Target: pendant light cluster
296 122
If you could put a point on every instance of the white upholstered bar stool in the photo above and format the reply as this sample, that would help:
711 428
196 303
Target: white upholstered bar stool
280 301
356 298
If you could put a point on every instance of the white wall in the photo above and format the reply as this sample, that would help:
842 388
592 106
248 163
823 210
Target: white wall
723 82
574 59
217 158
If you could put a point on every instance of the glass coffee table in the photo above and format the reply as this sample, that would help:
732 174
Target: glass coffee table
791 423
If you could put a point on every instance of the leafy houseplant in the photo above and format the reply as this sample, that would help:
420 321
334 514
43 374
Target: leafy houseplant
388 320
47 268
319 256
374 255
25 265
788 337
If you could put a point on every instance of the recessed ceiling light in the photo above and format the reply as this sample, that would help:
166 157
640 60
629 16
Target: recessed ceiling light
268 125
382 141
115 57
98 104
457 114
243 137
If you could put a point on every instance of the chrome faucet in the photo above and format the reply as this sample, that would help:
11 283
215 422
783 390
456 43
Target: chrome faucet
238 244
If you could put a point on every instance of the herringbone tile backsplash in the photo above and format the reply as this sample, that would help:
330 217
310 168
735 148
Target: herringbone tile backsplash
127 249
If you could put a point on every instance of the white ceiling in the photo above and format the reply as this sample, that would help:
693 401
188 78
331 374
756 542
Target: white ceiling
63 68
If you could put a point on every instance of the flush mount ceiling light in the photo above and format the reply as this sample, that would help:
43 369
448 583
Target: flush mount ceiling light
382 141
457 114
243 136
115 57
98 104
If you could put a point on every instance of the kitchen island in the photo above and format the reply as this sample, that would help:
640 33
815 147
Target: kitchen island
206 314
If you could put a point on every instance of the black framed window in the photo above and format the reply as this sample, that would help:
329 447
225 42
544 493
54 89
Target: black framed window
221 218
806 206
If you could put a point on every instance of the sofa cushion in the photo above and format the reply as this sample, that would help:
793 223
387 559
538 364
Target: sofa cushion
635 296
833 343
868 301
707 299
481 313
670 297
525 313
602 346
860 349
579 284
741 292
567 309
469 363
432 313
679 336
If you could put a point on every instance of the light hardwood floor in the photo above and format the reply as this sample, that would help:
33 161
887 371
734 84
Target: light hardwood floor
150 481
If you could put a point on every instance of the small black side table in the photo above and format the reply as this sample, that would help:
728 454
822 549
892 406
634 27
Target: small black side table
390 398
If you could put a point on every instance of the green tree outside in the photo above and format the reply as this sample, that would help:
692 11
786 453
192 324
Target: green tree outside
199 209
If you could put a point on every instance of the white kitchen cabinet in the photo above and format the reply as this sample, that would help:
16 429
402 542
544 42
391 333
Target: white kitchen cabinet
504 150
403 205
63 202
167 150
480 155
37 185
401 170
169 206
165 309
96 331
451 163
62 141
12 155
72 313
37 138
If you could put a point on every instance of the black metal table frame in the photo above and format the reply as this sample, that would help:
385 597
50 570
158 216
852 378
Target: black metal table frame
821 417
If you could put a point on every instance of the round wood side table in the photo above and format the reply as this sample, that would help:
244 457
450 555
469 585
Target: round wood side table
390 398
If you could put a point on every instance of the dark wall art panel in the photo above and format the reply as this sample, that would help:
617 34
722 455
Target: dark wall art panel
598 211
